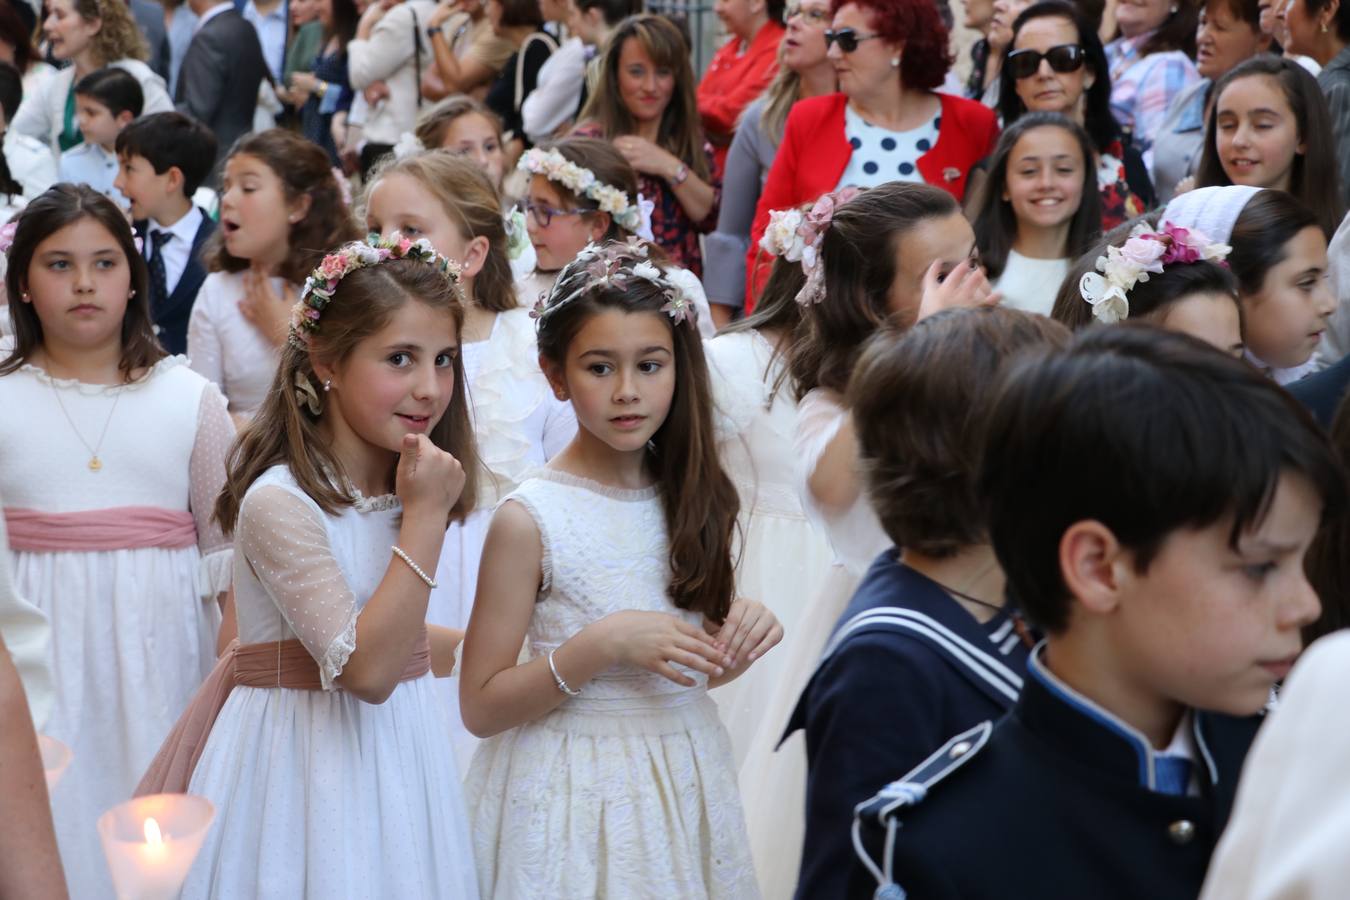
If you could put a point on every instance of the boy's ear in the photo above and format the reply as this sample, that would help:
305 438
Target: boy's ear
176 181
1092 563
554 373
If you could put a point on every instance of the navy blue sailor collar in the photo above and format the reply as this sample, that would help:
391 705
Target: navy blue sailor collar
1082 729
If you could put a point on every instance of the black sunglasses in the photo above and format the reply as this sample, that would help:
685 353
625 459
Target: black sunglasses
1064 58
847 39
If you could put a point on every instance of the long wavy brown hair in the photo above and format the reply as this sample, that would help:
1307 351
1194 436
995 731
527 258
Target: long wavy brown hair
285 432
118 37
697 496
680 131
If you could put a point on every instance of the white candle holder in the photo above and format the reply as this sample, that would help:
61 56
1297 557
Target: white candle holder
151 842
56 758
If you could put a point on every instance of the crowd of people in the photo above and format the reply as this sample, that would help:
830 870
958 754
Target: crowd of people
485 456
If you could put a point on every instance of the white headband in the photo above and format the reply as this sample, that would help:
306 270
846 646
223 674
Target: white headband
1211 210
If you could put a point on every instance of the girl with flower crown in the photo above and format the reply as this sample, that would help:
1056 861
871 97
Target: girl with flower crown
321 729
1171 277
517 421
781 558
884 257
112 455
606 772
582 190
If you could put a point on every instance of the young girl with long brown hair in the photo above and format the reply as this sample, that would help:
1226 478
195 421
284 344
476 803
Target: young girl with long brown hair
607 771
320 730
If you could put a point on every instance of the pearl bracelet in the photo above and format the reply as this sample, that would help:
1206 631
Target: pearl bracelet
558 679
417 570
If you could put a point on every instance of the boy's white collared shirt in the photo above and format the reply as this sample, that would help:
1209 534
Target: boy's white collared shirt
92 165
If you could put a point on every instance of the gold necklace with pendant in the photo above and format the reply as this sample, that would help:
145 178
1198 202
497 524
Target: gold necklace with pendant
95 464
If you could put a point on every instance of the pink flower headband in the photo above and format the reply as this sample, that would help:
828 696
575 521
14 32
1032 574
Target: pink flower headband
1145 252
797 236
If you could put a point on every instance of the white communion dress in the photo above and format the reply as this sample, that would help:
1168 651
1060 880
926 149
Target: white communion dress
627 791
126 564
518 425
317 793
773 778
782 560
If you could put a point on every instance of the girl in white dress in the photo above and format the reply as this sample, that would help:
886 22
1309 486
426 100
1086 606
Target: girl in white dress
113 454
327 763
518 423
280 208
781 557
608 773
885 257
582 190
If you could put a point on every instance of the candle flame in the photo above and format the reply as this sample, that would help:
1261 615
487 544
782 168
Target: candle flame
152 832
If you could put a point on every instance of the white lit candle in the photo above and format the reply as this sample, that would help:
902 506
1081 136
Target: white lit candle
151 842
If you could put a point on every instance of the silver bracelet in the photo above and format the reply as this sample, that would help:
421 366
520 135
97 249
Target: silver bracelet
417 570
558 679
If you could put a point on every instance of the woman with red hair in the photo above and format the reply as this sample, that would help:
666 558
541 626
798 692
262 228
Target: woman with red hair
885 124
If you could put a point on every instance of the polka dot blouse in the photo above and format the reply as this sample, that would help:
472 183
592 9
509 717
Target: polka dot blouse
880 155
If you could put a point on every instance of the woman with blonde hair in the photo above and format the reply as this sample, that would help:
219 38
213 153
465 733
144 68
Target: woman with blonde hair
90 35
644 102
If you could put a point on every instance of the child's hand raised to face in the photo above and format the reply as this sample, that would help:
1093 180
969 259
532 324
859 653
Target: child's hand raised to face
965 285
428 480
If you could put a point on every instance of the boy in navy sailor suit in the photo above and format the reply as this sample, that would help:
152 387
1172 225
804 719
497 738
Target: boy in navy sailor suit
926 648
162 160
1150 500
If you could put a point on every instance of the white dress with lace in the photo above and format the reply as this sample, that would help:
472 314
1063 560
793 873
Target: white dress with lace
317 793
782 560
627 791
773 779
518 425
132 631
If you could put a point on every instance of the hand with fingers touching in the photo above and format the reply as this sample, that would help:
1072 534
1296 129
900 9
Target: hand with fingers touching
965 285
750 631
265 309
658 641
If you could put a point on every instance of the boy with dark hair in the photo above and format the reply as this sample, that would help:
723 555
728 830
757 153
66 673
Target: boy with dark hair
163 160
106 101
925 648
1150 501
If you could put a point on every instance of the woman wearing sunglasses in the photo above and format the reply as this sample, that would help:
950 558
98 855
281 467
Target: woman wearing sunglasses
886 124
740 69
804 71
1057 64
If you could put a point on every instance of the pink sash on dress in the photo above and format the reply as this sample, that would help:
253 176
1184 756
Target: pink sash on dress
117 528
283 664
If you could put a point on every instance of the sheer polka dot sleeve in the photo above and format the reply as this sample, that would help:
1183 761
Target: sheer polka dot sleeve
283 539
215 434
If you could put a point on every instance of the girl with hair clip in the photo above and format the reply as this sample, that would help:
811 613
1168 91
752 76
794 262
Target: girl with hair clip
583 191
607 771
1189 287
1269 129
113 453
882 258
321 729
781 557
280 206
1038 208
643 101
518 423
1279 258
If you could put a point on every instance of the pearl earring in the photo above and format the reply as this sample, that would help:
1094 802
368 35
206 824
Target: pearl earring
327 384
895 62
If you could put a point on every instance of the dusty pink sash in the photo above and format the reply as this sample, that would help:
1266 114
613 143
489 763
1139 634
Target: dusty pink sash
285 664
118 528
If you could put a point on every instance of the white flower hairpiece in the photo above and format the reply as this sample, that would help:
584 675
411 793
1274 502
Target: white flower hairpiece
613 265
323 281
796 236
557 168
1145 252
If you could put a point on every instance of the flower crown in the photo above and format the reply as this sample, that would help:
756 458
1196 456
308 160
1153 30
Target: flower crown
796 236
323 281
613 265
1146 251
557 168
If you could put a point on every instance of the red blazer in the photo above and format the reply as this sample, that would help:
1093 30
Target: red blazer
733 81
814 153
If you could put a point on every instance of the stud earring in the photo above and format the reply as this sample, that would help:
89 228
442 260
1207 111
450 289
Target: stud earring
895 62
1324 27
327 385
